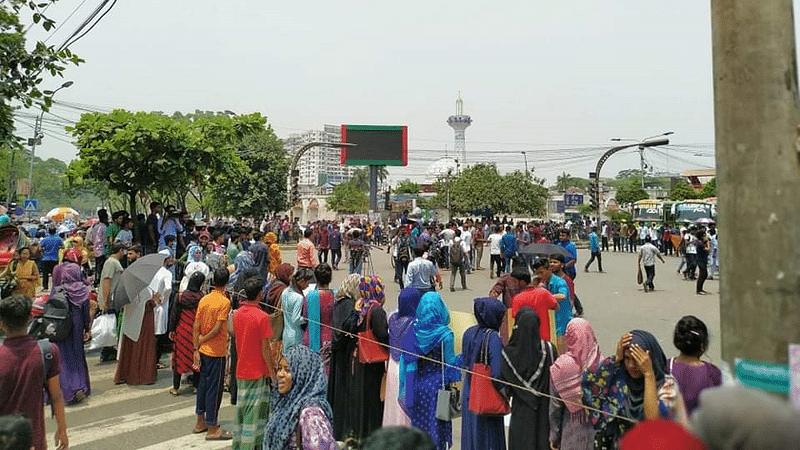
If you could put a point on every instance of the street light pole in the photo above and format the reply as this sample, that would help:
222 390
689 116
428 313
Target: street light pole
37 136
524 155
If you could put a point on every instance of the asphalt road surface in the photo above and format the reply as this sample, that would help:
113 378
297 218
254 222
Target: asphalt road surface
147 417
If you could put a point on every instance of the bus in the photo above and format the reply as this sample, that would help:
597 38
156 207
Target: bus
650 211
690 211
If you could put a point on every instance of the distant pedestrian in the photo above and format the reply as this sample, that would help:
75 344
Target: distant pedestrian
572 259
647 257
702 249
458 261
508 247
594 247
50 247
495 255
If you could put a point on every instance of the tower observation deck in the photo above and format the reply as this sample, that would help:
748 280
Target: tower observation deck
459 123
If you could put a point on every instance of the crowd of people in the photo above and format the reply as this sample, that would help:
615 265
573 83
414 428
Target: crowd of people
309 366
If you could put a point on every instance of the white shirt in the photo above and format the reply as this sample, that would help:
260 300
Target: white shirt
466 239
162 285
648 253
494 243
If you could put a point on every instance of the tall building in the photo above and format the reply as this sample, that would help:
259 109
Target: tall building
459 122
319 165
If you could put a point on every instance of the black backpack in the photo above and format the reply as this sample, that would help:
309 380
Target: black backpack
456 253
55 323
403 252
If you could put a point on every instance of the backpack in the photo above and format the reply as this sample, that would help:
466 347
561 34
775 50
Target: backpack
456 253
403 253
55 323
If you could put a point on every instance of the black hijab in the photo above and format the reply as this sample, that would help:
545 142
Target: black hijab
648 343
526 359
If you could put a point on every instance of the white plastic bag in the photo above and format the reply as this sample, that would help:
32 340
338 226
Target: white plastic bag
104 332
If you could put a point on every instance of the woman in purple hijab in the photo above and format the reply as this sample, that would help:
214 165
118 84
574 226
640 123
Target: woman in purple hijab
400 324
74 376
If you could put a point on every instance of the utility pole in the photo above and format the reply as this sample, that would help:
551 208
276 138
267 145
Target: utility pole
641 163
758 176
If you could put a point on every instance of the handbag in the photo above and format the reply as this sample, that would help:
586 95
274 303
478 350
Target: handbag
369 349
104 331
483 396
639 277
448 399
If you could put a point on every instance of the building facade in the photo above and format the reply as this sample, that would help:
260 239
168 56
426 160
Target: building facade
319 165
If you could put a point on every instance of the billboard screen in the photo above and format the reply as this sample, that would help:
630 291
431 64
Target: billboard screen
385 145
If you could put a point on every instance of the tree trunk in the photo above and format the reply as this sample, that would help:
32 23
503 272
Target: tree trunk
132 203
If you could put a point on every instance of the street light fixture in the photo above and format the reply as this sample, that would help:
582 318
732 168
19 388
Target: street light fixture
524 155
37 137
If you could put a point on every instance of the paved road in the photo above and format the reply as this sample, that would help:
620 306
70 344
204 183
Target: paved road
148 417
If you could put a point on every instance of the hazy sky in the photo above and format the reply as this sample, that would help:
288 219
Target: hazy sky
563 76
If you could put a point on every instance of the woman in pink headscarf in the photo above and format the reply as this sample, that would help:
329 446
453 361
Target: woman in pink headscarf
570 428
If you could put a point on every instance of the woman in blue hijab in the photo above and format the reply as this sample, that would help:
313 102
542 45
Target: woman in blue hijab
421 379
401 324
300 416
483 432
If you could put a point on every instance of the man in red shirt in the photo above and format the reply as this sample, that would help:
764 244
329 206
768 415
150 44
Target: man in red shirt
254 369
541 300
22 373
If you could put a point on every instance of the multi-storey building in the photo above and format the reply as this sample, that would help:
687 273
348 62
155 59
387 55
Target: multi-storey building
319 165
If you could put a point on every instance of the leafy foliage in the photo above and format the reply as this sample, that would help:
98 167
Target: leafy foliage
21 68
709 189
135 152
619 216
481 187
360 177
566 181
630 191
258 190
682 191
348 198
407 187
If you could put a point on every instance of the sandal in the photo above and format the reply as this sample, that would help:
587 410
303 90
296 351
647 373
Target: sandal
224 435
174 392
196 431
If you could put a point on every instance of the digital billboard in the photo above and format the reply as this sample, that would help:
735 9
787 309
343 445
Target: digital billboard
384 145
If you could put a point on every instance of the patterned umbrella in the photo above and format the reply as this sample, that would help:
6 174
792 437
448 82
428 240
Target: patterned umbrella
61 213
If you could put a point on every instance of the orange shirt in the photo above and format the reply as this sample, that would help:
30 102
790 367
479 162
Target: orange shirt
213 308
306 255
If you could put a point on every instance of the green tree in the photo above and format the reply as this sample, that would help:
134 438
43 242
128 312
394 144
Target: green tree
682 191
407 187
566 181
360 177
524 194
258 190
630 191
347 197
710 189
136 152
21 65
620 216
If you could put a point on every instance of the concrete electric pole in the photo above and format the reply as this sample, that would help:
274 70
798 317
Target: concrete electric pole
758 177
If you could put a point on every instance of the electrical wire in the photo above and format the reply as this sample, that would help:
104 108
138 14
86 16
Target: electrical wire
450 366
75 36
63 22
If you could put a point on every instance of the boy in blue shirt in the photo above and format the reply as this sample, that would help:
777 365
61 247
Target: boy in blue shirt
594 247
50 247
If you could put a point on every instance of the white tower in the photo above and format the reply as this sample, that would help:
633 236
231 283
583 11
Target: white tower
459 122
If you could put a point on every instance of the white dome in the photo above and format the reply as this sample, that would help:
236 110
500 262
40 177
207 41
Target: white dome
440 167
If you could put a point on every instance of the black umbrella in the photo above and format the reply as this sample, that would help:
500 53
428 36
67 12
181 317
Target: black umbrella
545 250
136 278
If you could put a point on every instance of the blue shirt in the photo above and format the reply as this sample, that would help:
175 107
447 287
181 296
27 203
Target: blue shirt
569 247
593 245
508 245
50 246
420 274
557 285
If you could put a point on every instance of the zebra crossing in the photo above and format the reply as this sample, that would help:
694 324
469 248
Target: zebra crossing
122 417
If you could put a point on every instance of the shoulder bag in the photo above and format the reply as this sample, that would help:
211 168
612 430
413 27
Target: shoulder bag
484 398
448 399
369 349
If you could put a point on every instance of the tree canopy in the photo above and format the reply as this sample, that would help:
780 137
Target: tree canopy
260 188
407 187
682 191
630 191
136 152
21 68
709 189
347 197
566 181
480 187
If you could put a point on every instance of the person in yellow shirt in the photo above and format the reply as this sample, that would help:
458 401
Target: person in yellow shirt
210 338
